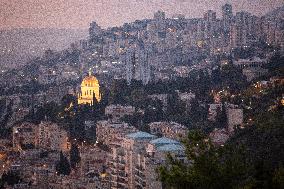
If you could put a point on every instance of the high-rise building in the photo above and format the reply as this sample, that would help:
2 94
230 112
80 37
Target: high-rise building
242 30
210 16
108 132
137 65
168 129
159 15
94 30
237 36
227 16
46 135
133 161
24 135
210 26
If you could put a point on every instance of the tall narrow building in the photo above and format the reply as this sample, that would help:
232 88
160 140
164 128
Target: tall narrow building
227 16
137 65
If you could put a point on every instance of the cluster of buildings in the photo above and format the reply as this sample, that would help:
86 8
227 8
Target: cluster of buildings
19 105
134 161
150 49
122 157
147 50
252 68
46 135
134 155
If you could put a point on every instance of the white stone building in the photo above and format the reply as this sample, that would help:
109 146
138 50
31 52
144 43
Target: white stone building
133 163
107 131
116 112
51 136
168 129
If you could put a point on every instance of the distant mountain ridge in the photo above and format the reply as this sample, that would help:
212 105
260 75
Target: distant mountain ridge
18 45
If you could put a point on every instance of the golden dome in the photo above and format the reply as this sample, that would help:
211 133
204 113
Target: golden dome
90 81
90 88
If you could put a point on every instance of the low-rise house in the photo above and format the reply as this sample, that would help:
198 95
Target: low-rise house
168 129
108 131
116 112
219 136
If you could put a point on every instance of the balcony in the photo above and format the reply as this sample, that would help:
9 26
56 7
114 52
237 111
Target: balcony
113 173
121 174
139 168
121 181
121 162
139 176
140 184
121 167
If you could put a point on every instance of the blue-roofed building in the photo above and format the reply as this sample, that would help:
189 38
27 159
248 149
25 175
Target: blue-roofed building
171 148
156 154
164 145
164 141
171 130
107 132
127 156
140 136
138 157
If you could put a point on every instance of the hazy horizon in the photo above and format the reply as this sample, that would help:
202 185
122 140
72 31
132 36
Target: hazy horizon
77 14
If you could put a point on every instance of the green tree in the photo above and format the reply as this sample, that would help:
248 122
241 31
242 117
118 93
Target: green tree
221 117
138 98
63 166
208 167
153 111
74 156
11 178
119 92
264 143
67 100
175 108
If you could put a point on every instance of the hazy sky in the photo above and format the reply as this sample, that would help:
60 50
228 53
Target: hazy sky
79 13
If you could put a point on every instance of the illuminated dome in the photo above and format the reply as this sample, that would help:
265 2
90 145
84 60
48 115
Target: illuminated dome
90 81
90 88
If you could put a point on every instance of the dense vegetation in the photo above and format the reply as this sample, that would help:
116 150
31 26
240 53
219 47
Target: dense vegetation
9 178
253 158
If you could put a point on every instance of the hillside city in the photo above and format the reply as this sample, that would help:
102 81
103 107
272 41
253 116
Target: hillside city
160 103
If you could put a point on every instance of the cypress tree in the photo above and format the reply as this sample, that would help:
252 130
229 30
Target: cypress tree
63 166
74 156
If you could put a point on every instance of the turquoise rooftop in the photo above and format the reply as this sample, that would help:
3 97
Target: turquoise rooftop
140 135
163 141
170 148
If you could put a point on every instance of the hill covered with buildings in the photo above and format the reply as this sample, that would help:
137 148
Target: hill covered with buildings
157 103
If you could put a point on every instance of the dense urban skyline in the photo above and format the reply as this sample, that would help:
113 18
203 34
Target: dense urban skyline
183 94
79 13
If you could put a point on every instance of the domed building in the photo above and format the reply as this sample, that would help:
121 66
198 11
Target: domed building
90 88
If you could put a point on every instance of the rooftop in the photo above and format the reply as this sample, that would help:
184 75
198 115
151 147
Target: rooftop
140 135
170 148
163 141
